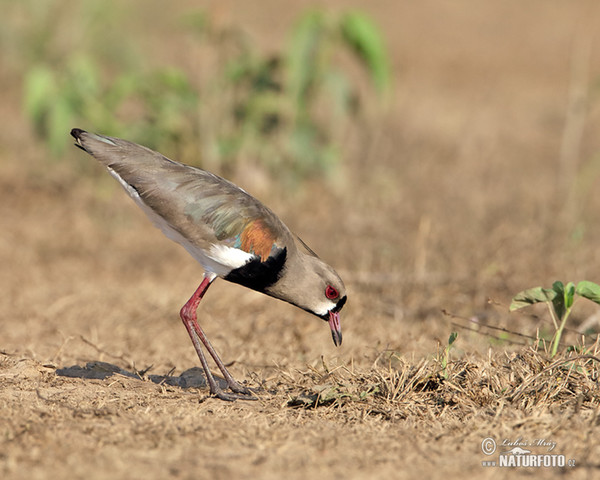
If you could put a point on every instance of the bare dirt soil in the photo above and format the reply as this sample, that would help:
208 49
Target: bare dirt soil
481 179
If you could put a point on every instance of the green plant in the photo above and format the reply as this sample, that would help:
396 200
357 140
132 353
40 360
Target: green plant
94 79
560 300
288 110
322 95
444 359
57 99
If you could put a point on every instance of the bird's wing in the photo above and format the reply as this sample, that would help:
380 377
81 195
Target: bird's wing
235 218
207 214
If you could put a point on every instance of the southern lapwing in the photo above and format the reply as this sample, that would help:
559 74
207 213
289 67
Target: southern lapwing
230 233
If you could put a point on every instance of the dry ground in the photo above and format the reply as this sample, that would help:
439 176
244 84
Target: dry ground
480 180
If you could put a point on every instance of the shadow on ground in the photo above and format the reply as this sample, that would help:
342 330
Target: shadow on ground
191 378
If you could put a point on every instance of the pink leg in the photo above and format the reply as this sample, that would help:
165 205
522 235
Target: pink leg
188 315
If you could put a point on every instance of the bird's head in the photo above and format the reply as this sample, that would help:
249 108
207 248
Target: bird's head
311 284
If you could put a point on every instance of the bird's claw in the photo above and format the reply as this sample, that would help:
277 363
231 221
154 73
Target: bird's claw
244 394
237 388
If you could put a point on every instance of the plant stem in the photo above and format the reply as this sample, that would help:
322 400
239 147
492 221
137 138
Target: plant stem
552 315
558 334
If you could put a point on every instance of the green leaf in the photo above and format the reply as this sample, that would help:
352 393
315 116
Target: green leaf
339 93
452 338
39 89
532 296
83 76
306 48
569 295
558 302
59 122
589 290
363 36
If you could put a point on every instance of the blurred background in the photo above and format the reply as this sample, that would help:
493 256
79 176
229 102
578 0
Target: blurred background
441 155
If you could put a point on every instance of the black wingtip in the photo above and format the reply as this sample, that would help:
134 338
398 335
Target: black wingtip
76 133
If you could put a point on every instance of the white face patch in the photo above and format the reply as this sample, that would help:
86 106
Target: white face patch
323 308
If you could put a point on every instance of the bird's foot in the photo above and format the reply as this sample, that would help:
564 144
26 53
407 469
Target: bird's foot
238 388
244 394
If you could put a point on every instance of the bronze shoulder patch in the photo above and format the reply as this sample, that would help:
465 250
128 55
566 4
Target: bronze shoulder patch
257 238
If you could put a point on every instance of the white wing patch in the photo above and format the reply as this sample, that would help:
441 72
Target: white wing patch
230 256
219 260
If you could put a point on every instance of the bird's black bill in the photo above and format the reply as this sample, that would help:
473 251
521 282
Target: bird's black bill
336 329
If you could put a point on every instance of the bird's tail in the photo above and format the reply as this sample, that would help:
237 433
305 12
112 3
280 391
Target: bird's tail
85 140
117 153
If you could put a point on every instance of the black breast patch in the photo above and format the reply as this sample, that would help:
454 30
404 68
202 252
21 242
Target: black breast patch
259 275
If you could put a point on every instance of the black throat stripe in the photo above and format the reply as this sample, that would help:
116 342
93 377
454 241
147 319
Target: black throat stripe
259 275
340 304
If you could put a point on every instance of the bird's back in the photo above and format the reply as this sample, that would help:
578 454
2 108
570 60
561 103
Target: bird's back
216 221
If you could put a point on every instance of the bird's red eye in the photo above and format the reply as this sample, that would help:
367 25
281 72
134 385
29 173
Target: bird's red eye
331 292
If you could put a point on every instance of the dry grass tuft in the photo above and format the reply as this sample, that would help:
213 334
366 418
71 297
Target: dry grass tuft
524 380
